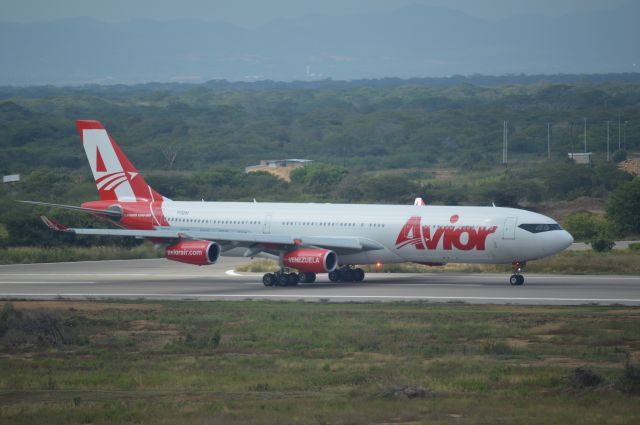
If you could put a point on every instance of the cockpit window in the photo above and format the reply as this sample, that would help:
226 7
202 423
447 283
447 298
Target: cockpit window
539 228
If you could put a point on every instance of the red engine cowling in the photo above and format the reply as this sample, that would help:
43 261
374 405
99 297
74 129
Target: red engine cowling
200 253
311 260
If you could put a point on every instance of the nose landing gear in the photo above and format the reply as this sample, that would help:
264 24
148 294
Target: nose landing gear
516 278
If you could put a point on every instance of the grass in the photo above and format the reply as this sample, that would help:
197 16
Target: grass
568 262
286 362
26 255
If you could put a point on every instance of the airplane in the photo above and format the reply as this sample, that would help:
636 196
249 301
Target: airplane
311 238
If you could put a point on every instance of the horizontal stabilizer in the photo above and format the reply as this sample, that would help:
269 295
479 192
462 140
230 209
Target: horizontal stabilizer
53 225
110 213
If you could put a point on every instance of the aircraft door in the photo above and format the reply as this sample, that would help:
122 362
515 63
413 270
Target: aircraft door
266 227
509 228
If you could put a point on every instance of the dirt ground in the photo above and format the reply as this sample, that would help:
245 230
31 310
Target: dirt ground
560 210
82 306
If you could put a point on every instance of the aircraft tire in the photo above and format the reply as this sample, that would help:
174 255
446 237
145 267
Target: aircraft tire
306 277
520 280
268 279
283 280
347 275
514 280
358 275
334 276
292 279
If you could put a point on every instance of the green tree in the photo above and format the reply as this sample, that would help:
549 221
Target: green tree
4 234
623 208
318 178
585 226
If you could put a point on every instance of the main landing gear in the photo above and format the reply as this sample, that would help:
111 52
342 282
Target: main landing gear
516 278
346 274
283 278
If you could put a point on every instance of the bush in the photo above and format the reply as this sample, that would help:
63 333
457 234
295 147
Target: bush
584 378
623 207
629 382
585 226
619 156
634 246
19 328
602 245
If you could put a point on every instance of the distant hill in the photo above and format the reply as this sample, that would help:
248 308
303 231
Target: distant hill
415 41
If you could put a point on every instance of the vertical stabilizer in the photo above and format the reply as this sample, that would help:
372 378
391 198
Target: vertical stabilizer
116 178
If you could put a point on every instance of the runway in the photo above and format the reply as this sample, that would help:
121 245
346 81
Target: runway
163 279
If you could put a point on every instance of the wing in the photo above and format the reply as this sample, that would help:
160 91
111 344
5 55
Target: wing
255 242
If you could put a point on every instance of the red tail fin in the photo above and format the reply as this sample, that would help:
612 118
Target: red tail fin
116 178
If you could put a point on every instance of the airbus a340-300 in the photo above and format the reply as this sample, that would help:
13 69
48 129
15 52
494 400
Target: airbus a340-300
311 238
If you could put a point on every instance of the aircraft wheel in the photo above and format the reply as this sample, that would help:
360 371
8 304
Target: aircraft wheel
520 280
358 275
268 279
283 280
307 277
334 276
292 279
514 280
347 275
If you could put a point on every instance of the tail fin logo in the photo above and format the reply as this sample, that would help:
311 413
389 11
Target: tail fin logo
111 181
100 167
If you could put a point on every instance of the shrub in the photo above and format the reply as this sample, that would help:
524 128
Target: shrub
623 207
585 226
619 156
602 245
629 382
584 378
19 328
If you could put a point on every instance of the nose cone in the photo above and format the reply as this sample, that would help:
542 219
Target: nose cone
556 241
568 239
561 240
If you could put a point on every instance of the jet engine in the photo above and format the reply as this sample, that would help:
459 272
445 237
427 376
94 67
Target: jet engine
199 253
311 260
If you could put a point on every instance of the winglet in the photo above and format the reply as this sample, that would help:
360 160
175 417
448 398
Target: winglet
54 225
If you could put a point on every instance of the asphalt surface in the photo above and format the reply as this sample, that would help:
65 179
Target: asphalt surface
163 279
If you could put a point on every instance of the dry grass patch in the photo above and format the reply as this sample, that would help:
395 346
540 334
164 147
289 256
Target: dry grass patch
83 306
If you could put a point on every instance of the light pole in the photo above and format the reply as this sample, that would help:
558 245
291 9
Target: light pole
548 140
585 135
608 124
619 132
625 136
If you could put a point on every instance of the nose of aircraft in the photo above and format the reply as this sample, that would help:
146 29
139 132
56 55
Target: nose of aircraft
568 238
563 240
556 241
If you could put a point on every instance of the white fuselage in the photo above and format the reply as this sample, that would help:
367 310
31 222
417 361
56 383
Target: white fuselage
424 234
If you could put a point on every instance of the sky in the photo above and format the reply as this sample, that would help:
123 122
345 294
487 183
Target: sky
253 13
